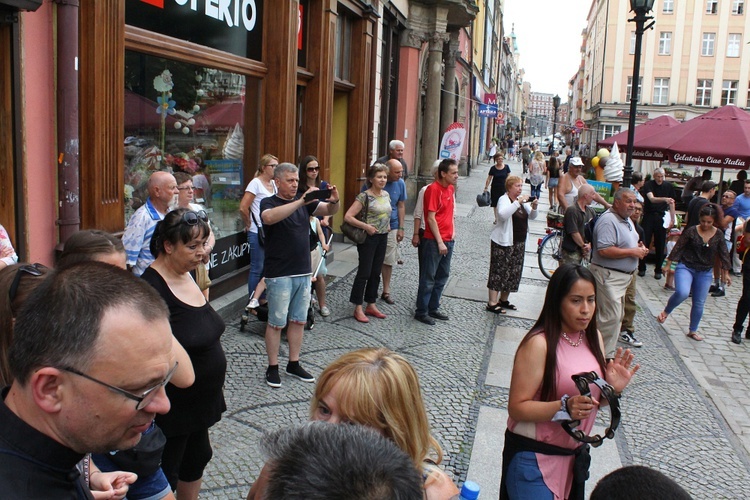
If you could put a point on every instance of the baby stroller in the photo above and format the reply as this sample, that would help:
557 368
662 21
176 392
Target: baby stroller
311 309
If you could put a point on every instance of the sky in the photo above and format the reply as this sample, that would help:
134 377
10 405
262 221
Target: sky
548 34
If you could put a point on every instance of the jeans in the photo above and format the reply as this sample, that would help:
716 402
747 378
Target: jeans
743 306
536 190
653 227
288 297
688 280
434 275
524 480
371 255
257 256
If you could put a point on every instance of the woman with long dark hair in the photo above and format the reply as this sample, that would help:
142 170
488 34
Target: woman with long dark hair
695 254
564 341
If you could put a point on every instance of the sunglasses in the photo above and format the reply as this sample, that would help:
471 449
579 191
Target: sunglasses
313 169
191 218
31 269
141 401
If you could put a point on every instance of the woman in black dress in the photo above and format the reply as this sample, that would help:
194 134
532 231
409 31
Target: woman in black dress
179 244
496 177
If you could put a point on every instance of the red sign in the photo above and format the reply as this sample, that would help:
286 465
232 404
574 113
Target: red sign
490 99
580 124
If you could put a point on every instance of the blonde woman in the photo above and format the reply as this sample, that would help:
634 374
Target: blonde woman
378 388
537 171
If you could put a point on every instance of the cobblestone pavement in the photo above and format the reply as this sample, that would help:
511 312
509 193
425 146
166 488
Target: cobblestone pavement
669 421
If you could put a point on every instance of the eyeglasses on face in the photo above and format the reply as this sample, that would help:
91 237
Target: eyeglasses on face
141 401
32 269
191 217
313 169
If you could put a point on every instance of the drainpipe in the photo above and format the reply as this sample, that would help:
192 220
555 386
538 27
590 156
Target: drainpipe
67 118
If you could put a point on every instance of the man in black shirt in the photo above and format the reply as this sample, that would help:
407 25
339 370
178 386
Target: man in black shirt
708 190
91 354
658 198
287 267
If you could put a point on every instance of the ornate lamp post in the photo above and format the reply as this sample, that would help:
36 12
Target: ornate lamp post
555 104
523 121
641 9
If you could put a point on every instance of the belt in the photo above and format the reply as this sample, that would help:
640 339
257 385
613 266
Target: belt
615 270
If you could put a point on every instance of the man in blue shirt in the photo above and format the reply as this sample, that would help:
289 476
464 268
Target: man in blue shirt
742 202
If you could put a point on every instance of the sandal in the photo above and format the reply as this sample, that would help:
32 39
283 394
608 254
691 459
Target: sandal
662 317
695 336
387 298
506 304
496 308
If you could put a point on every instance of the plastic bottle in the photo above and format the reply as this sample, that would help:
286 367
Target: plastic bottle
469 491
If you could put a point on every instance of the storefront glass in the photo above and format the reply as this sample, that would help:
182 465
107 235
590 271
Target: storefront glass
181 117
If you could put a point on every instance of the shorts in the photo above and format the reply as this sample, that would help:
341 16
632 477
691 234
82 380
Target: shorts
288 298
553 182
151 487
392 251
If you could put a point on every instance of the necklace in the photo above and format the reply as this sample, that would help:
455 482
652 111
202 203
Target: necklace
577 342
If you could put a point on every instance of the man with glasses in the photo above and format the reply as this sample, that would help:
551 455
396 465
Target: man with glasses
162 188
615 250
287 266
91 354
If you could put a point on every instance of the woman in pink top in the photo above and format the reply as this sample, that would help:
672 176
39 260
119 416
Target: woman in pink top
539 455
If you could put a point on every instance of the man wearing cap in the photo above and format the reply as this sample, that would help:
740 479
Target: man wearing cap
567 189
708 190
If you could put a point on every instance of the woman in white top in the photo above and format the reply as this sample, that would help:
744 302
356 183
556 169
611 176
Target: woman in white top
260 187
508 244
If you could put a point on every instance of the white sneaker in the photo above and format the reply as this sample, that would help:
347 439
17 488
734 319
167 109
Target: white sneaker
324 311
627 337
253 304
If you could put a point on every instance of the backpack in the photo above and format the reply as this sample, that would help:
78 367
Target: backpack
588 230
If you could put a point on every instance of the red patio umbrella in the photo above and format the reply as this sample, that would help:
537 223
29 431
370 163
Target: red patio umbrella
140 113
642 132
223 115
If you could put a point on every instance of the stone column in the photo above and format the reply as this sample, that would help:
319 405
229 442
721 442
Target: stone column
431 118
450 98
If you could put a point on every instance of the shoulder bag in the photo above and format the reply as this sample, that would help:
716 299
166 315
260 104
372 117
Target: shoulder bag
357 234
261 232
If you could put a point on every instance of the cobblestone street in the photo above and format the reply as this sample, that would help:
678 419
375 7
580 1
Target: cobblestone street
686 413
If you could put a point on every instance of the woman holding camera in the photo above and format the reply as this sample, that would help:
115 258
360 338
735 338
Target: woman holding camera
508 244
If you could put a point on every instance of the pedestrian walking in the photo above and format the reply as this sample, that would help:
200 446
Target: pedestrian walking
537 169
658 199
496 178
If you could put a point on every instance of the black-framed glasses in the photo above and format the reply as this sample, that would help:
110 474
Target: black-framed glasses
191 217
141 401
31 269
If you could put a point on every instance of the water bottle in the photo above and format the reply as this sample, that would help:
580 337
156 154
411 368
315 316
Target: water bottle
469 491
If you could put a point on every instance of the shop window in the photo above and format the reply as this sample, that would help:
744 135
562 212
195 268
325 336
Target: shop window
180 117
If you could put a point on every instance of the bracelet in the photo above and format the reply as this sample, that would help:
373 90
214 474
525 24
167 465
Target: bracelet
401 229
562 415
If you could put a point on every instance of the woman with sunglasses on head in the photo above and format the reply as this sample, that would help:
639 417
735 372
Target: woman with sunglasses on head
179 244
538 458
260 187
309 176
695 253
378 388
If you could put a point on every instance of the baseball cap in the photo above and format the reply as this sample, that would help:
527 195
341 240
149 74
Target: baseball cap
576 160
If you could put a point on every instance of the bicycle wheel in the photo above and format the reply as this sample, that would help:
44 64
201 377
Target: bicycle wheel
548 253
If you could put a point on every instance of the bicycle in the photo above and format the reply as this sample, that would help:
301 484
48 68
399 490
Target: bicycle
549 247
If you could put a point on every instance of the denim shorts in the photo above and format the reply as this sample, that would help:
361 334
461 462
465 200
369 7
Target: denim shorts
524 479
288 297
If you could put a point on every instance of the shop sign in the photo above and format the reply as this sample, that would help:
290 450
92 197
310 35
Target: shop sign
229 254
233 26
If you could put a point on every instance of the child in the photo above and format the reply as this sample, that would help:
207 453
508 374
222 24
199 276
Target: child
674 235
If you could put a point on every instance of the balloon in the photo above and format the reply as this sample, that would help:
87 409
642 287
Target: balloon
602 153
595 161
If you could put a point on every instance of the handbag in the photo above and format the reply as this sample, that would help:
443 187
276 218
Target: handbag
357 234
484 199
261 231
144 458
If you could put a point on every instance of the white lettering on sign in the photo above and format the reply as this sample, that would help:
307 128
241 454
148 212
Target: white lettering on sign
234 252
233 12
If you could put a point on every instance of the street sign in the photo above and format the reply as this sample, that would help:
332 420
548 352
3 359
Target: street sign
580 124
488 110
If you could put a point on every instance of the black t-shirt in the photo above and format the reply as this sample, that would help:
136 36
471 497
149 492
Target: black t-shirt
663 190
520 225
33 465
287 242
199 330
694 207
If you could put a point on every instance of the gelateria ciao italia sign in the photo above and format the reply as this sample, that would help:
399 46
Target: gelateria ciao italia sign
234 26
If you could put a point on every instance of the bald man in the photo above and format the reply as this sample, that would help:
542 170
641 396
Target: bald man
574 244
162 188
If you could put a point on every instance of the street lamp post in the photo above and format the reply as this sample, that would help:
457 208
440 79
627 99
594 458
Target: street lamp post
641 9
555 104
523 120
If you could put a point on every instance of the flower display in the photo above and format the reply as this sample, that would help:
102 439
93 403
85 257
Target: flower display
166 106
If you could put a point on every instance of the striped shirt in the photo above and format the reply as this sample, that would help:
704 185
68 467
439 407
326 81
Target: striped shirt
137 237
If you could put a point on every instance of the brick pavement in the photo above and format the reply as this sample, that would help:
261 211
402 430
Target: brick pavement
670 421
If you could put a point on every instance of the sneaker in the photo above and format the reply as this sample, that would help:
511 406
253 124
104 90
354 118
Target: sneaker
272 377
295 370
719 292
324 311
737 336
627 337
253 304
712 288
425 319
